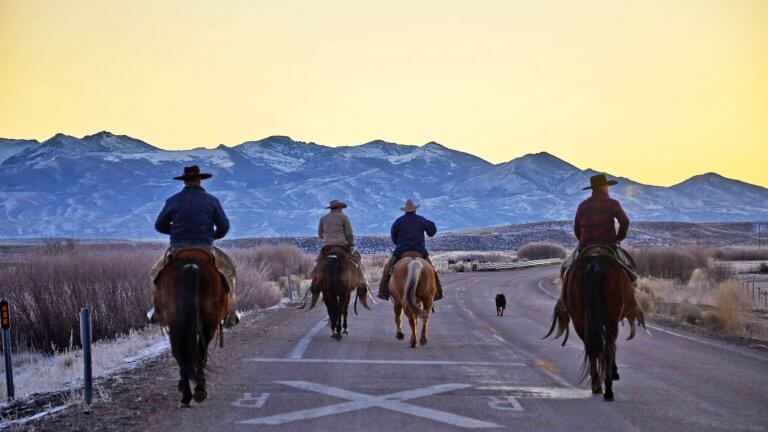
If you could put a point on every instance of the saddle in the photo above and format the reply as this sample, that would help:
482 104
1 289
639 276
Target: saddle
619 255
223 263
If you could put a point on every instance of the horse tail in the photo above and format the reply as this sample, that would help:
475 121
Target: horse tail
332 268
415 268
185 330
598 343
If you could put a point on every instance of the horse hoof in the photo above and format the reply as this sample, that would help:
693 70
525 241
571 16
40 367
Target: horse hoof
413 345
615 376
337 336
608 397
184 405
423 340
400 336
345 331
200 395
597 390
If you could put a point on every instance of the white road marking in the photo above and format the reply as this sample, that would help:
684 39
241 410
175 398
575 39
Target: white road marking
383 361
360 401
248 401
303 343
505 403
692 339
541 392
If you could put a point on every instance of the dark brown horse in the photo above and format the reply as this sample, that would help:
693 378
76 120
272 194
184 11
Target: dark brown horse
597 295
413 289
191 299
338 276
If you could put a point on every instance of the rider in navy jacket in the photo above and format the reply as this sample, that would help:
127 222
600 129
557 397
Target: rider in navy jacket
408 236
193 217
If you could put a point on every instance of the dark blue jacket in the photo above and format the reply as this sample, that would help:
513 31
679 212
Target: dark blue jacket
192 217
408 234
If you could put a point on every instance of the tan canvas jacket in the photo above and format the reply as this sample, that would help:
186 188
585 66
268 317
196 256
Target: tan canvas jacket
335 230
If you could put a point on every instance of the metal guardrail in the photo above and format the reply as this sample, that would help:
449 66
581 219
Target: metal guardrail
503 266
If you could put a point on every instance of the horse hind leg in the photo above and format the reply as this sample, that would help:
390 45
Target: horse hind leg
186 392
399 322
412 323
597 387
423 339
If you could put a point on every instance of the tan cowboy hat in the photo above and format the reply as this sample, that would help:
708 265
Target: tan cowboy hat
409 206
193 172
336 204
599 180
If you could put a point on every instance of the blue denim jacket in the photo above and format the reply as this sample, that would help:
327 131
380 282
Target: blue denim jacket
408 234
192 217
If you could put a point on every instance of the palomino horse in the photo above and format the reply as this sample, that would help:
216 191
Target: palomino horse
191 299
338 276
598 294
413 288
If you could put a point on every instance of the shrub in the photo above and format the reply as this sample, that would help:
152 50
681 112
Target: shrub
763 268
533 251
279 260
689 313
645 300
719 272
741 254
731 302
677 262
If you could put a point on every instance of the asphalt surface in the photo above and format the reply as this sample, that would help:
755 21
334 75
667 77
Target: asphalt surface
477 371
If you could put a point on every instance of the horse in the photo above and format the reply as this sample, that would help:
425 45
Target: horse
338 276
501 304
412 288
191 300
597 295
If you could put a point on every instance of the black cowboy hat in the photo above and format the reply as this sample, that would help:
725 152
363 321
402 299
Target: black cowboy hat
599 180
193 172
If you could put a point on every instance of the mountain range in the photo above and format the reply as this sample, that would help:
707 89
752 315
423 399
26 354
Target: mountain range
112 186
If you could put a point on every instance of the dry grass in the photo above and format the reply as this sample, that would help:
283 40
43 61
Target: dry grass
534 251
47 286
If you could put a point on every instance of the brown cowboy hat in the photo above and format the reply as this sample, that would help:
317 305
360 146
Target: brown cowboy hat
599 180
193 172
336 204
409 206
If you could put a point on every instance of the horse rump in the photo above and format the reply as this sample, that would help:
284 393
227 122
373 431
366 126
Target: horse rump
412 280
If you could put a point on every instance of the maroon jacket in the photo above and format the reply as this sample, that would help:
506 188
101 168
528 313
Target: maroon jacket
594 223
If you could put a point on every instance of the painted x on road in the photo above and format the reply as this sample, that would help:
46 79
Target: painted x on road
361 401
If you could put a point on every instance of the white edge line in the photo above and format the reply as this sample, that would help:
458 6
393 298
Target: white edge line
690 338
303 343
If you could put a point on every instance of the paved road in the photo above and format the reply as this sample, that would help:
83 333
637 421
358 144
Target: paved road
478 371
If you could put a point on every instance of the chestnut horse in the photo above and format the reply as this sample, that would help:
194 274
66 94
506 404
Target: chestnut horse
597 295
338 276
191 300
413 288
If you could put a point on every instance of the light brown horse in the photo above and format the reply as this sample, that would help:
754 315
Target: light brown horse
413 288
597 295
191 300
338 276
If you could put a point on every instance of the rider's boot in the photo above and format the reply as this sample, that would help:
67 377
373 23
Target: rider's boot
233 315
384 283
438 285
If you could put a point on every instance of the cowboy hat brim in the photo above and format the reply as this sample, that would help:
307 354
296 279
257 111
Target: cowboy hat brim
201 176
342 205
408 209
608 183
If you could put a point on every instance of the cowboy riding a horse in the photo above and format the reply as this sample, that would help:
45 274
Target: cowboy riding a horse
194 282
339 270
598 290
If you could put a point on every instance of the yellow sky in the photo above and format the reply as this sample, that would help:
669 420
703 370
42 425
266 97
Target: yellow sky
652 90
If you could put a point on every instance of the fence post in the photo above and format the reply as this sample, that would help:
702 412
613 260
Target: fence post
85 342
5 320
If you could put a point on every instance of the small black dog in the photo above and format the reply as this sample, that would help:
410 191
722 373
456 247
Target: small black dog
501 303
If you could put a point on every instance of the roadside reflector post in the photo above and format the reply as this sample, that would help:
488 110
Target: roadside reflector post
5 323
85 342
